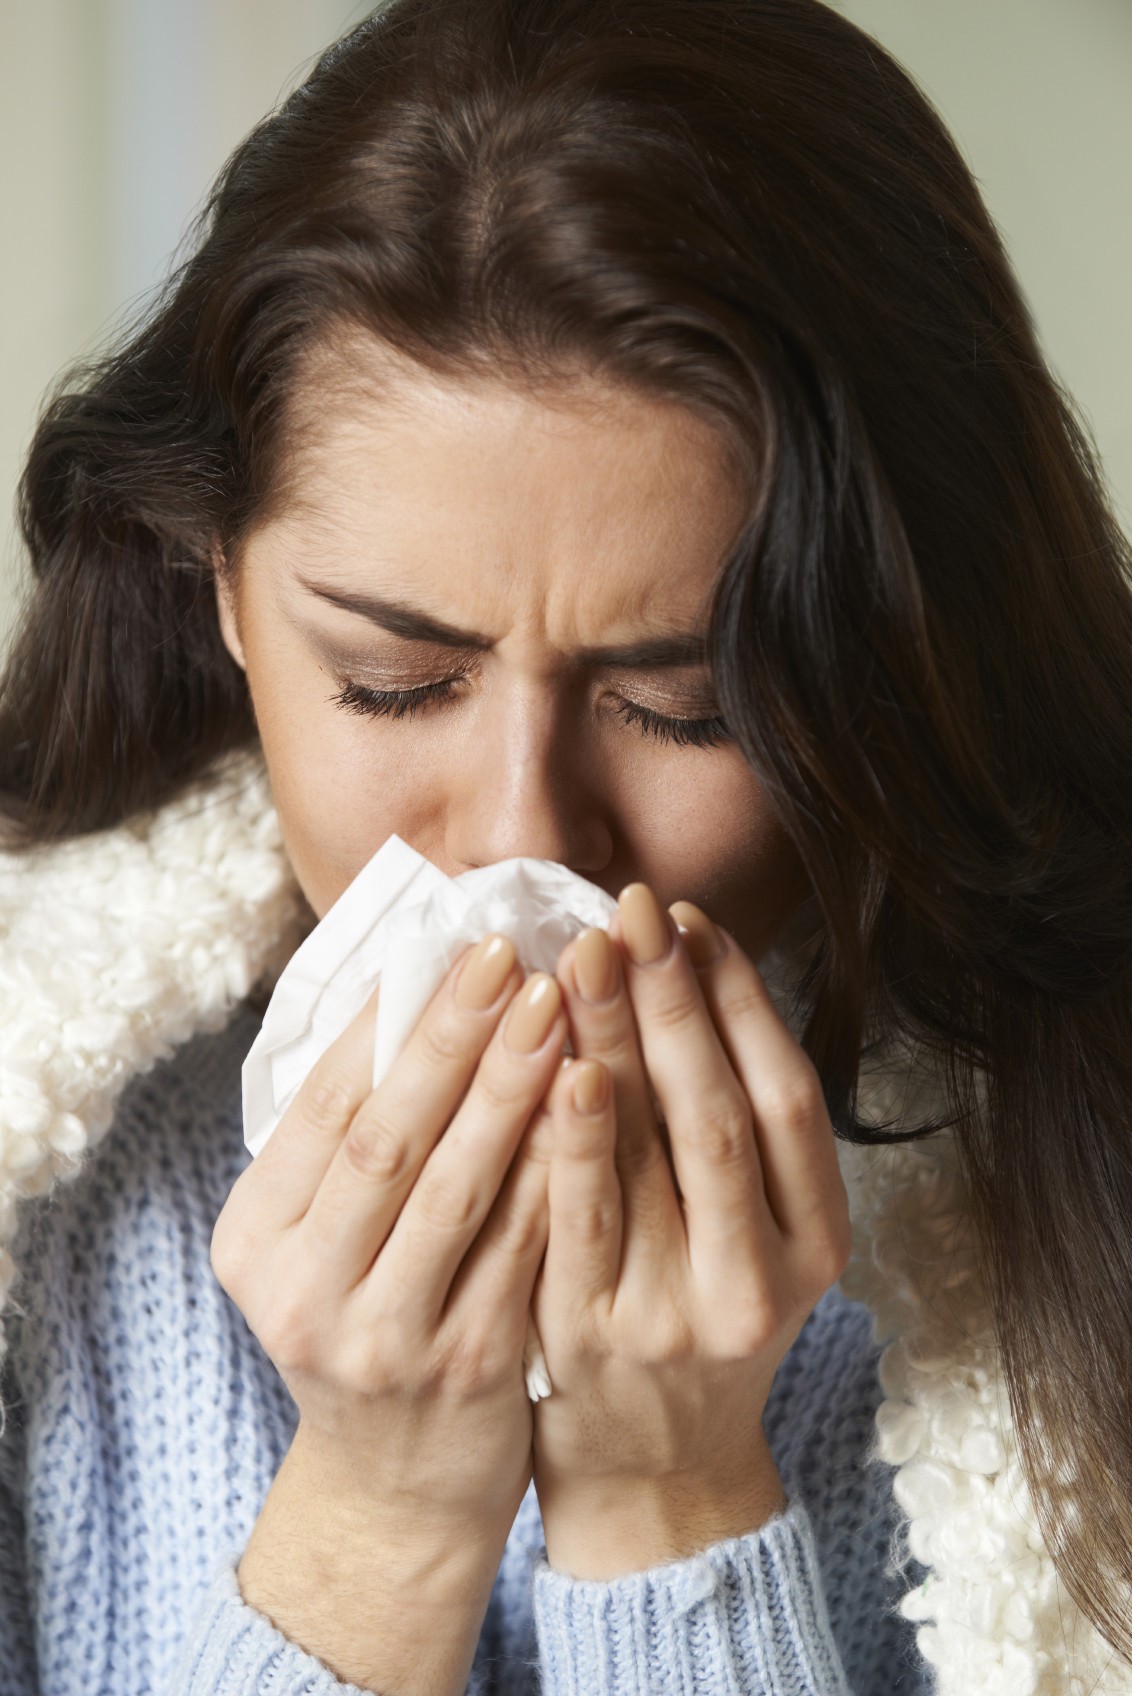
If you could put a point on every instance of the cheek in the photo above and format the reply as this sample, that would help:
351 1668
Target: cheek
336 806
714 840
755 907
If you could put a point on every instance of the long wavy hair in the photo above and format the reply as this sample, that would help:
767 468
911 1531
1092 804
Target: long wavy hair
921 641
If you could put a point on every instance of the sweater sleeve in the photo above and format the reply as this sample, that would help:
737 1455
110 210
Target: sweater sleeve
227 1647
230 1649
18 1675
233 1650
96 1592
747 1617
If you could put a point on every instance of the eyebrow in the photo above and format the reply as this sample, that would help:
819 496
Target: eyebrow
401 619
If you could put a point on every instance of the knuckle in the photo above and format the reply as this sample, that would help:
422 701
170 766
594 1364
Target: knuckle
471 1362
225 1265
638 1157
327 1101
796 1102
741 1004
614 1046
222 1268
672 1011
667 1341
592 1224
370 1362
755 1325
522 1229
447 1203
500 1090
386 1345
230 1252
442 1042
722 1131
290 1336
830 1253
375 1151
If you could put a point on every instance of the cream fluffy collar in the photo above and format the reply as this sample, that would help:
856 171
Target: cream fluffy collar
120 946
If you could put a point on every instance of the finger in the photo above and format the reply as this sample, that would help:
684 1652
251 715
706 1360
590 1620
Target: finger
797 1147
710 1126
381 1150
497 1275
292 1163
462 1177
586 1230
603 1027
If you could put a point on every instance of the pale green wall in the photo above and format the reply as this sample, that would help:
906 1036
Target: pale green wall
90 216
1038 94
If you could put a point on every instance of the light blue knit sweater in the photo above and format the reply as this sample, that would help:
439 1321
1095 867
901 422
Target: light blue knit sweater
145 1426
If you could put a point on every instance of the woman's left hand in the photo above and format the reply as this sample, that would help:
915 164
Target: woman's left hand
685 1251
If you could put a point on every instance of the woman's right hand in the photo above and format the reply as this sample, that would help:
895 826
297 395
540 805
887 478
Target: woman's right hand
384 1244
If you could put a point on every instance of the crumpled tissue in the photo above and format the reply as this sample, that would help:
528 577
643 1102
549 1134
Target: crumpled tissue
402 923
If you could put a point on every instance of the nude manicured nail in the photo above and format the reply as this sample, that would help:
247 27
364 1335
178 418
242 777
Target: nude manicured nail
648 935
595 966
484 972
532 1013
591 1087
701 939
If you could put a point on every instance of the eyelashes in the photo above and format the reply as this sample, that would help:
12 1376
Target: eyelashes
402 703
685 732
390 703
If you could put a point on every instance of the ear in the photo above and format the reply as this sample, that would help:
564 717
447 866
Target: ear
226 609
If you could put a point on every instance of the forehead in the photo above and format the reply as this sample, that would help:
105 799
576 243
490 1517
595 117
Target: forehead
506 485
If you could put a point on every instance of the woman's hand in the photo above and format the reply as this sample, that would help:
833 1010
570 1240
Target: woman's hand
683 1258
384 1244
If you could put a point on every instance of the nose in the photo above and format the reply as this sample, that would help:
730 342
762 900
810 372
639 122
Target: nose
522 786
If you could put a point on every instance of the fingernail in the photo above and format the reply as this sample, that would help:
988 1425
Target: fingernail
484 972
595 966
591 1087
701 939
532 1013
648 935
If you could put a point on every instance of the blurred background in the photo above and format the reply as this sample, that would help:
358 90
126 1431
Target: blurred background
117 114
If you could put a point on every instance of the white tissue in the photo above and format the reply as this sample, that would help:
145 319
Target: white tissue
402 923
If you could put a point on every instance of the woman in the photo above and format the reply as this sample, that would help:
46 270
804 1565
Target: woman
610 433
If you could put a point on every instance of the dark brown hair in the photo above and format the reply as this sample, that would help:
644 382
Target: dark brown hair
921 641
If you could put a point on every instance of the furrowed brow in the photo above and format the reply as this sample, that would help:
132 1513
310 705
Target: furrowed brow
409 622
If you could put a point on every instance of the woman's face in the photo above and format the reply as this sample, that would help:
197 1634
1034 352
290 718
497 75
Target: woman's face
481 540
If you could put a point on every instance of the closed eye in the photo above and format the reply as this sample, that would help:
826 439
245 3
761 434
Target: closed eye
402 703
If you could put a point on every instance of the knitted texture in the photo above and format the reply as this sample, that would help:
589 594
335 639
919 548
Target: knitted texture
146 1424
689 1626
118 947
